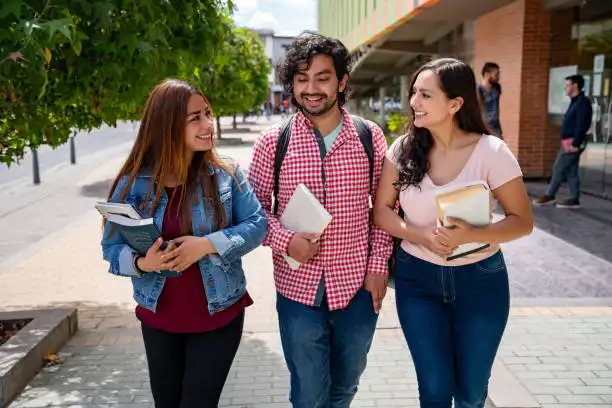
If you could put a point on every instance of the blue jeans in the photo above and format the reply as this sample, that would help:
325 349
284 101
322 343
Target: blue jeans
566 169
453 319
326 352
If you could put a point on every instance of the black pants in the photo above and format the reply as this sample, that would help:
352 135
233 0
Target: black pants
189 370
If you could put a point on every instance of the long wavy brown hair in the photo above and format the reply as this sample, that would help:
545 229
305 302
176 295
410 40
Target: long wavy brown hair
159 150
456 80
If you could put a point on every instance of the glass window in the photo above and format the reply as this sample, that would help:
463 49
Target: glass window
593 32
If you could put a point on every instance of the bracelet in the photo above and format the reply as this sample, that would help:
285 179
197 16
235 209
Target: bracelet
136 258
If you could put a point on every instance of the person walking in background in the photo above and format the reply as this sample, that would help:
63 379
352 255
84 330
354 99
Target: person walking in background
192 323
576 124
327 308
489 91
453 313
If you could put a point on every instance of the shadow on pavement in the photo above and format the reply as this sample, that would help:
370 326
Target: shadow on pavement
105 364
589 228
98 189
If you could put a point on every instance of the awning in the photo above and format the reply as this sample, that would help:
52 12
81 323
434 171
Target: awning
396 50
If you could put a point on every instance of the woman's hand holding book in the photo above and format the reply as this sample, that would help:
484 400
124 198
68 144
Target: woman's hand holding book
186 251
152 261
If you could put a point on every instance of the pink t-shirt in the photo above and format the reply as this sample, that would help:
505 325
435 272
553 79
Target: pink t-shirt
490 161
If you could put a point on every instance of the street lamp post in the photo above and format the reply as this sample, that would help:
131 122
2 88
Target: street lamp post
72 149
35 166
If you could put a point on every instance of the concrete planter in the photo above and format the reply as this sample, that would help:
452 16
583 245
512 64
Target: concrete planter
23 355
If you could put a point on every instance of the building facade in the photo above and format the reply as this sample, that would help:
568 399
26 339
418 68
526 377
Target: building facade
536 43
275 47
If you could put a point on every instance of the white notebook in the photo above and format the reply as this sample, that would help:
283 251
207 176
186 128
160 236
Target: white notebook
469 202
126 210
304 213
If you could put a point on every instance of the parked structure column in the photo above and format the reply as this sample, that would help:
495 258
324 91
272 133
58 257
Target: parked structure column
358 109
382 97
404 84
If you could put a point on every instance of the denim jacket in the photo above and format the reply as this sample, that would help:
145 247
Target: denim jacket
222 273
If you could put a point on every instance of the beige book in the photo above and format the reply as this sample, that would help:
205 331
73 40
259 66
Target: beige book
469 202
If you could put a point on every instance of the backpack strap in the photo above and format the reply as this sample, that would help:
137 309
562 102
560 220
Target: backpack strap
366 139
281 149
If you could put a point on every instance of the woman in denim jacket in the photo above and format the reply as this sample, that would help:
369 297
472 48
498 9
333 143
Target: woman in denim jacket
192 318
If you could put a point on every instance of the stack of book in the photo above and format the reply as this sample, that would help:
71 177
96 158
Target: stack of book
139 233
468 202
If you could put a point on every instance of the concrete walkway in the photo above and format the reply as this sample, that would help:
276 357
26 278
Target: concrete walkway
558 342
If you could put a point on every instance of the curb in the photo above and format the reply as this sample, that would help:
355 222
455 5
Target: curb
23 355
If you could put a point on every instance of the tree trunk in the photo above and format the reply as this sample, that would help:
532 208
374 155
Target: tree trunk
234 124
218 127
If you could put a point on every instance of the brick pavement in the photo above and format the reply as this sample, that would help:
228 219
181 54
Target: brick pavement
563 355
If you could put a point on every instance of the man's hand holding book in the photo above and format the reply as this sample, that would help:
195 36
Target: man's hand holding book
303 246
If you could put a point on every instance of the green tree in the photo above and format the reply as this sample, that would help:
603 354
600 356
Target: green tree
237 81
76 64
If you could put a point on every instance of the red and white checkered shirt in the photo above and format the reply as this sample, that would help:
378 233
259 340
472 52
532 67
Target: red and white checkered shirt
343 251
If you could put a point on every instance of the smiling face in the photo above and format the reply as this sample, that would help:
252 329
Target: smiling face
199 126
429 103
316 88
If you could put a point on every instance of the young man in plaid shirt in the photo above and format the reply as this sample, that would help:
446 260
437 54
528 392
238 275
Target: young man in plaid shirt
328 308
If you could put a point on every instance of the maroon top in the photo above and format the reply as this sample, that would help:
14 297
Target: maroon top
182 306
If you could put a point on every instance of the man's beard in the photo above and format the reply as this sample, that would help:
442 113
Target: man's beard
329 104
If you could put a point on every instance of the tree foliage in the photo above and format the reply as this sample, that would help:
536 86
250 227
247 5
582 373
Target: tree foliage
68 64
237 81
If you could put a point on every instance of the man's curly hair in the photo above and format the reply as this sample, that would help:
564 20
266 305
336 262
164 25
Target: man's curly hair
300 53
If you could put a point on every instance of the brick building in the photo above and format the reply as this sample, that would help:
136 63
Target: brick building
535 42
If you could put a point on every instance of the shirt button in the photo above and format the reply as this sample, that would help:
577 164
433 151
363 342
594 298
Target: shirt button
211 283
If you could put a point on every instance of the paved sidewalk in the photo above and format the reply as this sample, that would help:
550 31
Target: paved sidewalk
109 370
562 354
558 342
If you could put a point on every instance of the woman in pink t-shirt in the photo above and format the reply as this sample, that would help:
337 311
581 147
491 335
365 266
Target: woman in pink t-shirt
453 313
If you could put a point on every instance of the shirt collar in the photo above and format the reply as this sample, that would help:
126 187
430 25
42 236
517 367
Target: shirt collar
302 120
577 96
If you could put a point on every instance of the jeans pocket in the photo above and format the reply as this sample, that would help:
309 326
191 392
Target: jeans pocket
494 263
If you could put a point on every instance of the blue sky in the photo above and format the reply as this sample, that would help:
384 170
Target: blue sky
285 17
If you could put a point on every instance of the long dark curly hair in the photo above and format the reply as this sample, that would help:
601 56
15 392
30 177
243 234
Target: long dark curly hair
300 53
456 80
